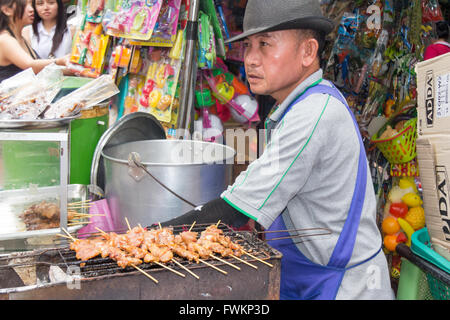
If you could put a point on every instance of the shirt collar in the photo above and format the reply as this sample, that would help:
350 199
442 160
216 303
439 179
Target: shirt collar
42 30
280 109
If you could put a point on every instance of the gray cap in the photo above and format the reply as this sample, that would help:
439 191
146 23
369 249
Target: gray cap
272 15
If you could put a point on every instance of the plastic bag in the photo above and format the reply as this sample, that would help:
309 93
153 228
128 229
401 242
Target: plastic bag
91 94
431 11
26 95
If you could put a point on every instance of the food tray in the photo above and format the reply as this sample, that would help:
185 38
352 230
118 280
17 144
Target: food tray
36 123
14 202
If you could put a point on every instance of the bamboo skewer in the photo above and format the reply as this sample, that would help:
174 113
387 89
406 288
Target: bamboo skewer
192 226
226 262
170 269
89 214
67 232
212 266
128 224
61 235
103 232
181 266
145 273
78 202
78 223
256 258
243 261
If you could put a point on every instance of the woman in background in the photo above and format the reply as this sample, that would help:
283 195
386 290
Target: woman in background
49 34
16 53
440 46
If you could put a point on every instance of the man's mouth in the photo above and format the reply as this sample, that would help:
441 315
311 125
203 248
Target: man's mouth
253 77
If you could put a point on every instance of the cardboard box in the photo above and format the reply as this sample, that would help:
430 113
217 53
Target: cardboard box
433 143
433 100
434 169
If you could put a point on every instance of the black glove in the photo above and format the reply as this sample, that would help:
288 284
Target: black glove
211 212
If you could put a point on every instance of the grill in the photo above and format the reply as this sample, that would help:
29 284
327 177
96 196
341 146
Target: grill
101 278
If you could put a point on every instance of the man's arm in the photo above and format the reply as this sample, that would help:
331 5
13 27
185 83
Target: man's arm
211 212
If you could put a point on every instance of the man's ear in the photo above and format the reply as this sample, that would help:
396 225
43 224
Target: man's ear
310 51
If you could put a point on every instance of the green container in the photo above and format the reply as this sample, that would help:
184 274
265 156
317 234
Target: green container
85 132
84 136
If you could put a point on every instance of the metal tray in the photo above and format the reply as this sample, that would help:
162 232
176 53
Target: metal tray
37 124
14 202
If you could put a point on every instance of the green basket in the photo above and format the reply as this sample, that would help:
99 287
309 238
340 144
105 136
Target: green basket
438 289
400 148
421 246
413 283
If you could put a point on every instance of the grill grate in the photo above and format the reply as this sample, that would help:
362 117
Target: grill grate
96 267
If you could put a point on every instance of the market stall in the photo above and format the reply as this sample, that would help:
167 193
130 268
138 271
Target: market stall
106 155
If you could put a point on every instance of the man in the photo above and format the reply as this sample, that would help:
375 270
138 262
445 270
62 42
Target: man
313 171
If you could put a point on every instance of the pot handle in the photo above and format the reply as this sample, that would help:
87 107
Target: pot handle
137 170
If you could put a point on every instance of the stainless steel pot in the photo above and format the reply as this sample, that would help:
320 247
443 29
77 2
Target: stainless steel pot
194 170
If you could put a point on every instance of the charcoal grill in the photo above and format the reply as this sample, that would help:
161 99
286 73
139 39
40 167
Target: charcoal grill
101 278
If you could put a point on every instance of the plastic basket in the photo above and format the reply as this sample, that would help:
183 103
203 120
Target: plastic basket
413 283
421 246
400 148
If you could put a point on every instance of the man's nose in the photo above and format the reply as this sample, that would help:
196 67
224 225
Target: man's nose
251 56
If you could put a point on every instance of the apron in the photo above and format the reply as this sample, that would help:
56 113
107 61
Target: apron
300 277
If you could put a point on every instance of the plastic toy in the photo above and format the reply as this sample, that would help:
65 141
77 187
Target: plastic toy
88 52
134 19
165 32
209 127
159 87
206 43
244 108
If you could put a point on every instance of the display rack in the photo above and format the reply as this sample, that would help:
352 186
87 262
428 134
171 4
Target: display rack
59 134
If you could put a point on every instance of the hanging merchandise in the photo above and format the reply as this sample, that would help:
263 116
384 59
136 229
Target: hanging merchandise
133 19
88 51
431 11
206 44
165 32
207 6
229 91
210 127
95 11
158 92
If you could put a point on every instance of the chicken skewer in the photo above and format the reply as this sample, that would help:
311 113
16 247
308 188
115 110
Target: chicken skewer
97 249
212 231
131 244
159 246
149 255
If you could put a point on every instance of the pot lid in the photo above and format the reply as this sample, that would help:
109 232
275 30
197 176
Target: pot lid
135 126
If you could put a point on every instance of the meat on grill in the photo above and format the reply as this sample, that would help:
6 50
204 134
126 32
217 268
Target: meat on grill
156 245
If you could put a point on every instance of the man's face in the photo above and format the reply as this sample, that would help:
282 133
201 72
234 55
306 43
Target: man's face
274 63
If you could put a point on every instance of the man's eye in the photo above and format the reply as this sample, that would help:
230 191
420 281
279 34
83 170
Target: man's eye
246 44
263 44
